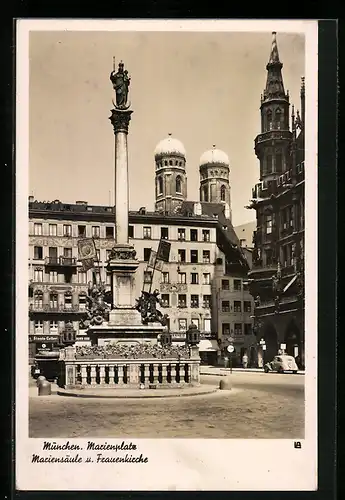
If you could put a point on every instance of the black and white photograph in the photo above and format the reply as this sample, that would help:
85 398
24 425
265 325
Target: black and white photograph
166 255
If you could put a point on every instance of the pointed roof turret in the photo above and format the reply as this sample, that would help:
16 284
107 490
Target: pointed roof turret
274 84
274 57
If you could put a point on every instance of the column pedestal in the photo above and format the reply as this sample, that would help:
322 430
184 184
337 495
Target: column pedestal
123 265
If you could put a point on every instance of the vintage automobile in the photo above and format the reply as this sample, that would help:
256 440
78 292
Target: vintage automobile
281 364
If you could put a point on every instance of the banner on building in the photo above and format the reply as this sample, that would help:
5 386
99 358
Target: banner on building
163 250
154 262
87 252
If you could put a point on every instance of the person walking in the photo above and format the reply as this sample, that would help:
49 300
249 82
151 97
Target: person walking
245 360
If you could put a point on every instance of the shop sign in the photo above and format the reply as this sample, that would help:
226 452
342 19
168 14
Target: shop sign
43 338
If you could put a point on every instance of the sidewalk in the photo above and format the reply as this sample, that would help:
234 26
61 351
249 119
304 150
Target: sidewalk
122 393
221 371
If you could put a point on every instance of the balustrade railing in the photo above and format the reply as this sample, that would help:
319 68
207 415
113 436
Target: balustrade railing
98 373
56 308
60 261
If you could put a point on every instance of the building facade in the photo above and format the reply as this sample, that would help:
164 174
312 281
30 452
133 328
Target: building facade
277 274
205 253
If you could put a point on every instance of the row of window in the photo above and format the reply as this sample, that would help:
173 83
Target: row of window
181 234
109 232
178 185
66 277
239 329
286 256
204 325
67 230
237 285
193 279
182 301
237 307
205 193
286 220
65 300
53 325
182 254
171 163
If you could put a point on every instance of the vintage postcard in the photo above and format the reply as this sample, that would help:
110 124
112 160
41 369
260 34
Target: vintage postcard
166 250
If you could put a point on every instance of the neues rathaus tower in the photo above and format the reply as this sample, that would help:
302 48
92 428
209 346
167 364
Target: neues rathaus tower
277 276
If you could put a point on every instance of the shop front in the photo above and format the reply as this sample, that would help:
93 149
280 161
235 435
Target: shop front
208 351
42 343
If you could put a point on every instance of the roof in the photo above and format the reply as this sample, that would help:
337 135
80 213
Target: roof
224 225
214 157
170 146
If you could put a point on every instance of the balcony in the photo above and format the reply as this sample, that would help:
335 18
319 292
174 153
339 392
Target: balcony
261 268
288 271
50 308
61 261
273 135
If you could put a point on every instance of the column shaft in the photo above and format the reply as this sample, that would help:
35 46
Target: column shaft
121 187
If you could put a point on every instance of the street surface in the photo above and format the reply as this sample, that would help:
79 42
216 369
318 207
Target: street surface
259 406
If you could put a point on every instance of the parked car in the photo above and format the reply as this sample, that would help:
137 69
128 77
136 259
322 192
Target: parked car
282 363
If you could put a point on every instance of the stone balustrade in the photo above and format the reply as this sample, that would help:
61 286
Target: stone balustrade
128 373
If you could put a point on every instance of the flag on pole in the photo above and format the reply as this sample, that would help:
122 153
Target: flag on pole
163 251
87 252
152 259
87 264
154 262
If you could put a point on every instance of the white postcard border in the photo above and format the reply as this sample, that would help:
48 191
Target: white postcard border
204 464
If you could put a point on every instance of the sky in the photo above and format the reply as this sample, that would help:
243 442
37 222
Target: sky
202 87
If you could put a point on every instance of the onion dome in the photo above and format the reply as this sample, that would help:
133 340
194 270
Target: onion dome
214 157
170 146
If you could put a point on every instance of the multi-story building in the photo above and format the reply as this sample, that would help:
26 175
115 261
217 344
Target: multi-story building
245 233
204 250
277 274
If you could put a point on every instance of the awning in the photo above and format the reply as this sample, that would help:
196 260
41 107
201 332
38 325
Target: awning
290 283
208 345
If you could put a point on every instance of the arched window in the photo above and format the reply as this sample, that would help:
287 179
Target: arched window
178 184
205 191
38 299
170 162
278 117
160 185
269 120
165 163
53 300
222 193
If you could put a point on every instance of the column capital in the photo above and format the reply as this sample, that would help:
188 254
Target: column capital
120 120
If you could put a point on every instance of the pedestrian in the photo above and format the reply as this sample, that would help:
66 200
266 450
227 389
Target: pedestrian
245 361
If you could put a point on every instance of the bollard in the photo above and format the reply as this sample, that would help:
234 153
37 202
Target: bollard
225 384
39 380
45 388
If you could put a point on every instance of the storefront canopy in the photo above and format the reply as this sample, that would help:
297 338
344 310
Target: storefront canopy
208 345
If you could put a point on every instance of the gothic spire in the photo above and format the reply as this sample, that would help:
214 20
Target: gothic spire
274 57
274 84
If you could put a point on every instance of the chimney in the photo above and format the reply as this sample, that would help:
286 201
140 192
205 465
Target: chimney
31 199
